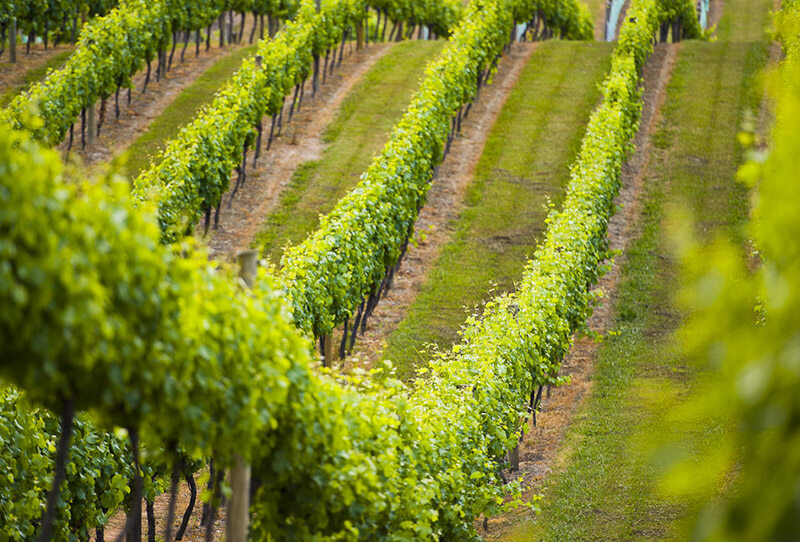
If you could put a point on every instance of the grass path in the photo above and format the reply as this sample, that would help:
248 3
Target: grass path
356 134
183 109
606 486
524 165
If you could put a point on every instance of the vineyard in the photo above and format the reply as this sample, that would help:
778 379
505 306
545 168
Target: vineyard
399 270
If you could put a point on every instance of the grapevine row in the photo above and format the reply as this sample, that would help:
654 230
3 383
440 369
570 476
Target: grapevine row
194 170
98 315
376 461
152 327
470 402
174 347
111 49
337 274
79 504
40 18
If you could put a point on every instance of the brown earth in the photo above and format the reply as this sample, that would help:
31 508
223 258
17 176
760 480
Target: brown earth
242 217
13 75
444 204
194 532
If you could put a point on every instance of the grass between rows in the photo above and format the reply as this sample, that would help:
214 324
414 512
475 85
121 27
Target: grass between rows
606 483
182 110
34 75
358 132
524 166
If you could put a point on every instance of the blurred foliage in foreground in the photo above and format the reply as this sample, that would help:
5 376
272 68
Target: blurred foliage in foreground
745 323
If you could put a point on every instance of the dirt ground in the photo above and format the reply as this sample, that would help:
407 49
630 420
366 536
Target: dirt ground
444 204
117 135
242 217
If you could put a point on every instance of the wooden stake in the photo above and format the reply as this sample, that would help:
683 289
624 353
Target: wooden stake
238 517
12 41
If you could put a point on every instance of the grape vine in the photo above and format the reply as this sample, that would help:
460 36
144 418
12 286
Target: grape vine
99 314
340 270
194 170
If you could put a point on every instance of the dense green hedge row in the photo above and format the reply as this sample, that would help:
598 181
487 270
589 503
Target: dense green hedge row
97 480
37 17
345 259
111 49
98 312
194 170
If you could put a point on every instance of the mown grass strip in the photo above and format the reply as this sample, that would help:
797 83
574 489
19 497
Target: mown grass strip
34 75
523 167
182 110
607 488
358 132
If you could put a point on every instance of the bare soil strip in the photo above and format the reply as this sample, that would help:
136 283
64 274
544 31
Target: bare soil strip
539 451
13 75
243 217
116 136
443 206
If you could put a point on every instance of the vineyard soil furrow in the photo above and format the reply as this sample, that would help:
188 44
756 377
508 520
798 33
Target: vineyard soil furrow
29 69
136 118
605 472
539 448
515 160
307 150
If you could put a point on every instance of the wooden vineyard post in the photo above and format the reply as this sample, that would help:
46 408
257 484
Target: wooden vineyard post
238 517
248 266
12 41
513 458
327 355
360 35
92 124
